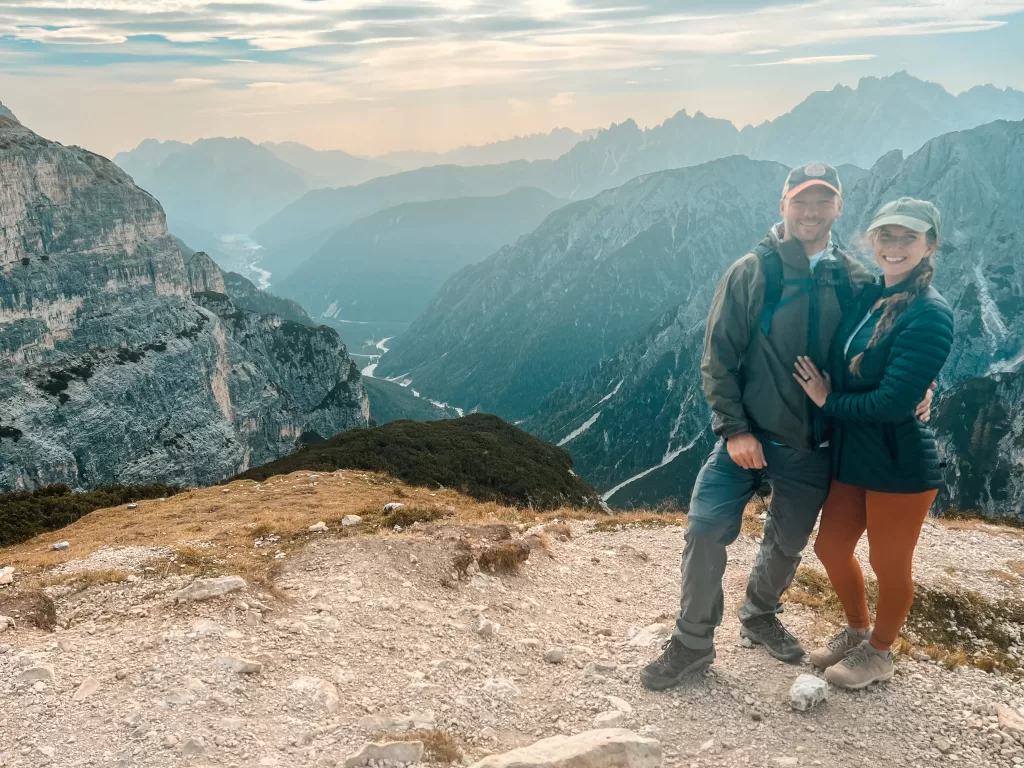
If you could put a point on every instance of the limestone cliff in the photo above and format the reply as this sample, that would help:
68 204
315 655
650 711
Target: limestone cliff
120 364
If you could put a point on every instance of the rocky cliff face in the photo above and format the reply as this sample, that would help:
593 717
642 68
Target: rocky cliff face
112 371
981 436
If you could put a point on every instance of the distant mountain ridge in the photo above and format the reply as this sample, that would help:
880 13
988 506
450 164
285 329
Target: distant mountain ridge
844 126
213 187
502 334
536 146
389 265
329 168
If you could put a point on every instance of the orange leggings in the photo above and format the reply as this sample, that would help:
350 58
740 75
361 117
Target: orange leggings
893 522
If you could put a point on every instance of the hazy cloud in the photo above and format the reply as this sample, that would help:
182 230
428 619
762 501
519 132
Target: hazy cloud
540 57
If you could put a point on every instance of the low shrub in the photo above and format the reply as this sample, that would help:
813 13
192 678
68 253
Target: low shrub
480 455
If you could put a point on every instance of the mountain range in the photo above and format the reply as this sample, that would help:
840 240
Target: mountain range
122 363
388 265
214 187
845 126
636 422
536 146
502 334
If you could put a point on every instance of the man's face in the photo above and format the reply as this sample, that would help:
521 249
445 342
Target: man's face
809 215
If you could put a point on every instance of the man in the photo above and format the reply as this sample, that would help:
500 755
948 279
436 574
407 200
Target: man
782 300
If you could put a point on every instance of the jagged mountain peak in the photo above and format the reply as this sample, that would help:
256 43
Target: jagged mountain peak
6 112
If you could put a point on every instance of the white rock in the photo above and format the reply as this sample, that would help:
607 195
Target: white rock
392 752
88 687
321 691
37 672
414 721
488 734
806 692
1009 719
193 747
6 622
320 527
204 589
46 750
427 689
554 655
611 719
786 762
7 575
605 748
133 505
205 628
500 687
486 627
389 508
594 668
241 666
620 704
60 545
655 634
349 520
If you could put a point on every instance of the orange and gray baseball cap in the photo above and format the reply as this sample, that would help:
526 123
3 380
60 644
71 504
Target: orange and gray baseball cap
812 175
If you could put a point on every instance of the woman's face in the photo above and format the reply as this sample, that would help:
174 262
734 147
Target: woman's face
898 250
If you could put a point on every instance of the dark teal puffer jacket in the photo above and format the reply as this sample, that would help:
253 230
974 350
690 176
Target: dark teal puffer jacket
877 442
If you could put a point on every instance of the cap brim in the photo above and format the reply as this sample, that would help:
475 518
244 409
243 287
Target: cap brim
811 183
918 225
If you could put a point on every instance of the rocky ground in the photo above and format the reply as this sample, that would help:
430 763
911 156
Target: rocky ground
370 634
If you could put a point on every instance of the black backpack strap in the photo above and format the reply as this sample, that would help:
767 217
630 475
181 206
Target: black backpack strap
771 267
839 279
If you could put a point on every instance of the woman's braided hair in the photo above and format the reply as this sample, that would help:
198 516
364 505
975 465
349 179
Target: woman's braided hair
917 283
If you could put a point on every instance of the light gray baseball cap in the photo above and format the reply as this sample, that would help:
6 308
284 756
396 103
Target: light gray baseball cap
918 215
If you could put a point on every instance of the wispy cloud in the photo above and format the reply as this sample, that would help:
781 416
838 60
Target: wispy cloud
814 60
223 56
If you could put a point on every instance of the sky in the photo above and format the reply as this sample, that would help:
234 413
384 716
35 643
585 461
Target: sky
373 77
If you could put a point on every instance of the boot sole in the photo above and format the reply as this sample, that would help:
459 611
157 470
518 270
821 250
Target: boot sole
753 637
658 683
882 678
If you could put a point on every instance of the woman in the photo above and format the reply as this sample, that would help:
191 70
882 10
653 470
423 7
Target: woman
885 463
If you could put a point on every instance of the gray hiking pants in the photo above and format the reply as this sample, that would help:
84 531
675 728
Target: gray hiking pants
799 481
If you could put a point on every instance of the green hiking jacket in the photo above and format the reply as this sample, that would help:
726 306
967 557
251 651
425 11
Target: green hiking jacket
748 377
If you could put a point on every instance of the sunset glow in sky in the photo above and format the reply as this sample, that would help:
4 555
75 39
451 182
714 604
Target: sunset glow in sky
371 77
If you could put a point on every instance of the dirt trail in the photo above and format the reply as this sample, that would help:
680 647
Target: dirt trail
361 629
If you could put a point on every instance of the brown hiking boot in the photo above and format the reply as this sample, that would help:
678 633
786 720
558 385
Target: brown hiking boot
860 667
835 649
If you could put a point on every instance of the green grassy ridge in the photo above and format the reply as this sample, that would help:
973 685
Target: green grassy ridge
24 514
480 455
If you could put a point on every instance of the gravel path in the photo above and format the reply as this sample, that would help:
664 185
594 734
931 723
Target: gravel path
364 637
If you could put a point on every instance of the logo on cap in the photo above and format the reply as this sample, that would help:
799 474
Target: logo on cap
815 170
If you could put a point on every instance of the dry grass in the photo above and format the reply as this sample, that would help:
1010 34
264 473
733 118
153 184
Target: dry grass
439 747
933 617
637 520
222 523
559 530
505 557
1017 566
82 580
1002 575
